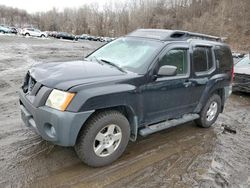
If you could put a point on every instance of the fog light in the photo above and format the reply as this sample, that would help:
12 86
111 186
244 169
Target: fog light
50 130
53 131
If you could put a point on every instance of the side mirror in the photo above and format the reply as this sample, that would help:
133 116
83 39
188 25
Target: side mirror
167 70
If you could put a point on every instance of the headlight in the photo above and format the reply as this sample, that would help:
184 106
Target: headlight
59 99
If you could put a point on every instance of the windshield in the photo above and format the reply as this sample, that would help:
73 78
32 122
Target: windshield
133 54
244 62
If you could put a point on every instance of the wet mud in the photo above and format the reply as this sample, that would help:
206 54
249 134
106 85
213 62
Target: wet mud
183 156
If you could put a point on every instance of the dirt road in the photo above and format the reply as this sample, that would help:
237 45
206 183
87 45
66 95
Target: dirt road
184 156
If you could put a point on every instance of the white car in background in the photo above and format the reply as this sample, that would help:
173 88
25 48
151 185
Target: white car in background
33 32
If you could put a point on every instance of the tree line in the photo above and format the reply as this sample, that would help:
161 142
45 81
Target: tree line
224 18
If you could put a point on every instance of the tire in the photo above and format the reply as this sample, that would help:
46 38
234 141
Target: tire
2 32
27 34
42 36
206 120
87 143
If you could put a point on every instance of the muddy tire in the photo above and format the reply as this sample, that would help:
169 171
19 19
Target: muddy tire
209 112
103 138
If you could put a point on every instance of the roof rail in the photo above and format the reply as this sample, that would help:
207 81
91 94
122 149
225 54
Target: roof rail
187 34
165 35
203 36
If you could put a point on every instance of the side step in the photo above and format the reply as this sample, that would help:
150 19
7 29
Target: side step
167 124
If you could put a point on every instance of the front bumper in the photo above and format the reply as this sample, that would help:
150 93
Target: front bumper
53 125
242 87
241 83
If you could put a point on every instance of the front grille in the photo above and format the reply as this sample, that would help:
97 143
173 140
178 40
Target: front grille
241 78
241 82
28 84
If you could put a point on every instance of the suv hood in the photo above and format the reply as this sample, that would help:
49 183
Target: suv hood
64 75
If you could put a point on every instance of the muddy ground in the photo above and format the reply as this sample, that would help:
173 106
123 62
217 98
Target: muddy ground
183 156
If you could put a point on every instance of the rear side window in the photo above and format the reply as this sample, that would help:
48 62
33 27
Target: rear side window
202 59
223 57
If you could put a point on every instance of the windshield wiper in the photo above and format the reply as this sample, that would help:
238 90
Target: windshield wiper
97 60
112 64
101 61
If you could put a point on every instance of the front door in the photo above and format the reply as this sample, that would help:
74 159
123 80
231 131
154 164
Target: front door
171 96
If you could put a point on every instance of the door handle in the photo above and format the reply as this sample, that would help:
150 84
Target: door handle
187 83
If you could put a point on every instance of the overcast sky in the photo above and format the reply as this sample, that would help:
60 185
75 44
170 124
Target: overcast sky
44 5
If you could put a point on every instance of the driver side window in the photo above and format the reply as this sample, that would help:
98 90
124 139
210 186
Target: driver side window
178 58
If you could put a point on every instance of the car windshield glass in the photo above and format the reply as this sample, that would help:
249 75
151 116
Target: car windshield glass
244 62
133 54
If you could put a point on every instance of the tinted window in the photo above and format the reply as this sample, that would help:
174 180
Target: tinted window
202 59
223 56
210 58
178 58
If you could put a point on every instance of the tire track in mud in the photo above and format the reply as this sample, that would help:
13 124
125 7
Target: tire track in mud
177 153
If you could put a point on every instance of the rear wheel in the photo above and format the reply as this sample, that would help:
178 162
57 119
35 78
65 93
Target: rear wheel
210 111
27 34
42 36
103 139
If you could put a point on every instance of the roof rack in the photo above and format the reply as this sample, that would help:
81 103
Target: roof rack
186 34
166 35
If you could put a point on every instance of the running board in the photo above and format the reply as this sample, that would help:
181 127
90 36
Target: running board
167 124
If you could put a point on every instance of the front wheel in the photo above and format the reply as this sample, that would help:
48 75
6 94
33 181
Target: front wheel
210 112
103 139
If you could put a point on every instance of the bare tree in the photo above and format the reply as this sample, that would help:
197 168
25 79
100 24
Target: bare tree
229 18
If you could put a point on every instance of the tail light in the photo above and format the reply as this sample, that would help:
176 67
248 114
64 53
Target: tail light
232 74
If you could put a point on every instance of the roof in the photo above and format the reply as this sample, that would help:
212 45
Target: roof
171 35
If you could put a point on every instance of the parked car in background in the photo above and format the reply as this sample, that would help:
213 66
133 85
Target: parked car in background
51 33
4 29
33 32
242 75
82 37
64 35
13 30
237 56
106 39
92 38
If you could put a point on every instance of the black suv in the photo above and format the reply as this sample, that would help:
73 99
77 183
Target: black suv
142 83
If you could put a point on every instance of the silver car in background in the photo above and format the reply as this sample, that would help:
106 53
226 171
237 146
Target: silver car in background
242 75
33 32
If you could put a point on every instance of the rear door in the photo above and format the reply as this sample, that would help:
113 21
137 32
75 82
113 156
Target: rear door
203 67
